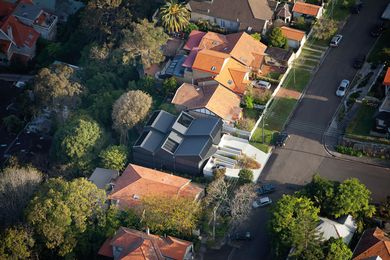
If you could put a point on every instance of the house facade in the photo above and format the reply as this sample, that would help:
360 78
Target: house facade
234 15
295 38
179 144
307 11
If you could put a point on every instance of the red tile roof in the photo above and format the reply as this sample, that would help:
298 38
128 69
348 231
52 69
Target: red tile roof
136 245
137 181
305 8
292 34
193 40
210 61
374 242
22 35
6 8
386 80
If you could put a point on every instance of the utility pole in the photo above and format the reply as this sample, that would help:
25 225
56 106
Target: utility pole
263 126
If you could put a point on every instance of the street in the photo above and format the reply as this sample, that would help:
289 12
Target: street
304 153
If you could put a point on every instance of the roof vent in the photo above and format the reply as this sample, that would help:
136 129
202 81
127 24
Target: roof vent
136 197
213 68
230 82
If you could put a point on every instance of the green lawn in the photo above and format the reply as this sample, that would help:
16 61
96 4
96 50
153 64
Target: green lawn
363 121
302 77
306 52
257 138
383 41
339 11
252 113
278 113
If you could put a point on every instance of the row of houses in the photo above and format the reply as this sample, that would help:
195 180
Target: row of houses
22 22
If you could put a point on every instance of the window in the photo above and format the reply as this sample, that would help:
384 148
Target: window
170 145
222 23
185 120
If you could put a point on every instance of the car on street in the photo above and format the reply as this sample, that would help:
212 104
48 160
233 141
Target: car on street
20 84
377 30
336 40
359 61
265 189
261 202
261 84
281 139
241 236
340 92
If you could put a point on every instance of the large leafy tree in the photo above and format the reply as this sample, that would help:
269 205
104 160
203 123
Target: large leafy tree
130 109
324 28
143 43
78 141
336 249
293 223
57 86
61 211
17 186
177 216
353 198
175 16
114 157
277 39
16 243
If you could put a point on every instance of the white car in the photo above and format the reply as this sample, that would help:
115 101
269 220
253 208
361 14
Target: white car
340 92
336 40
262 202
20 84
261 84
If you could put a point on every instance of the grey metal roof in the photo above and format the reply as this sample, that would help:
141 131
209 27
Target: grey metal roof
153 141
28 11
192 146
163 121
203 126
101 177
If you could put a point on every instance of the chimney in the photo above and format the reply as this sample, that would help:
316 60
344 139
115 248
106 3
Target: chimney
148 231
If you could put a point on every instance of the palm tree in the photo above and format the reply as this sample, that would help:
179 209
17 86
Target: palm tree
175 16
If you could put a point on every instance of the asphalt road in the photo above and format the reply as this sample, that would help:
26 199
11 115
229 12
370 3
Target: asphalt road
304 153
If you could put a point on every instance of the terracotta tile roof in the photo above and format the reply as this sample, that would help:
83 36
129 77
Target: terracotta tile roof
305 8
213 41
21 34
4 45
136 245
193 40
6 8
234 76
386 80
218 99
210 61
292 34
374 242
189 61
136 182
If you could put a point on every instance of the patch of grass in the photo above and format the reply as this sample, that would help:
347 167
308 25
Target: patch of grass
306 52
302 77
262 147
278 113
383 42
252 113
338 12
363 121
319 42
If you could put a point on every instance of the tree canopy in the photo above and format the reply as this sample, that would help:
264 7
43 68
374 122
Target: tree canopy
324 28
16 243
114 157
293 222
61 211
175 16
17 186
177 216
277 39
336 249
143 43
241 204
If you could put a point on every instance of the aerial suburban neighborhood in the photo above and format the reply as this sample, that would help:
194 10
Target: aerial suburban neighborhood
195 129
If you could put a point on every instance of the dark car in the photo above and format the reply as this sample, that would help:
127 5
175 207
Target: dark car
377 30
355 9
266 188
281 139
359 61
241 236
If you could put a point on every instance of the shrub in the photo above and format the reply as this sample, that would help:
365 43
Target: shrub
245 124
261 98
248 162
248 99
219 173
349 151
245 175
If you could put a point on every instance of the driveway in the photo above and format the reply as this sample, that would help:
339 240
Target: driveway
304 153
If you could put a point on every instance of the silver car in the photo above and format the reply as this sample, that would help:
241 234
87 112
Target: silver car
261 202
340 92
336 40
261 84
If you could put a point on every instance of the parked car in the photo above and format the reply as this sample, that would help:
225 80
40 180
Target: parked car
377 30
281 139
266 188
356 8
261 84
20 84
342 88
241 236
336 40
359 61
261 202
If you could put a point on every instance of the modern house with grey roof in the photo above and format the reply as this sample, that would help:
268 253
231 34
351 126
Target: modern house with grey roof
179 144
235 15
